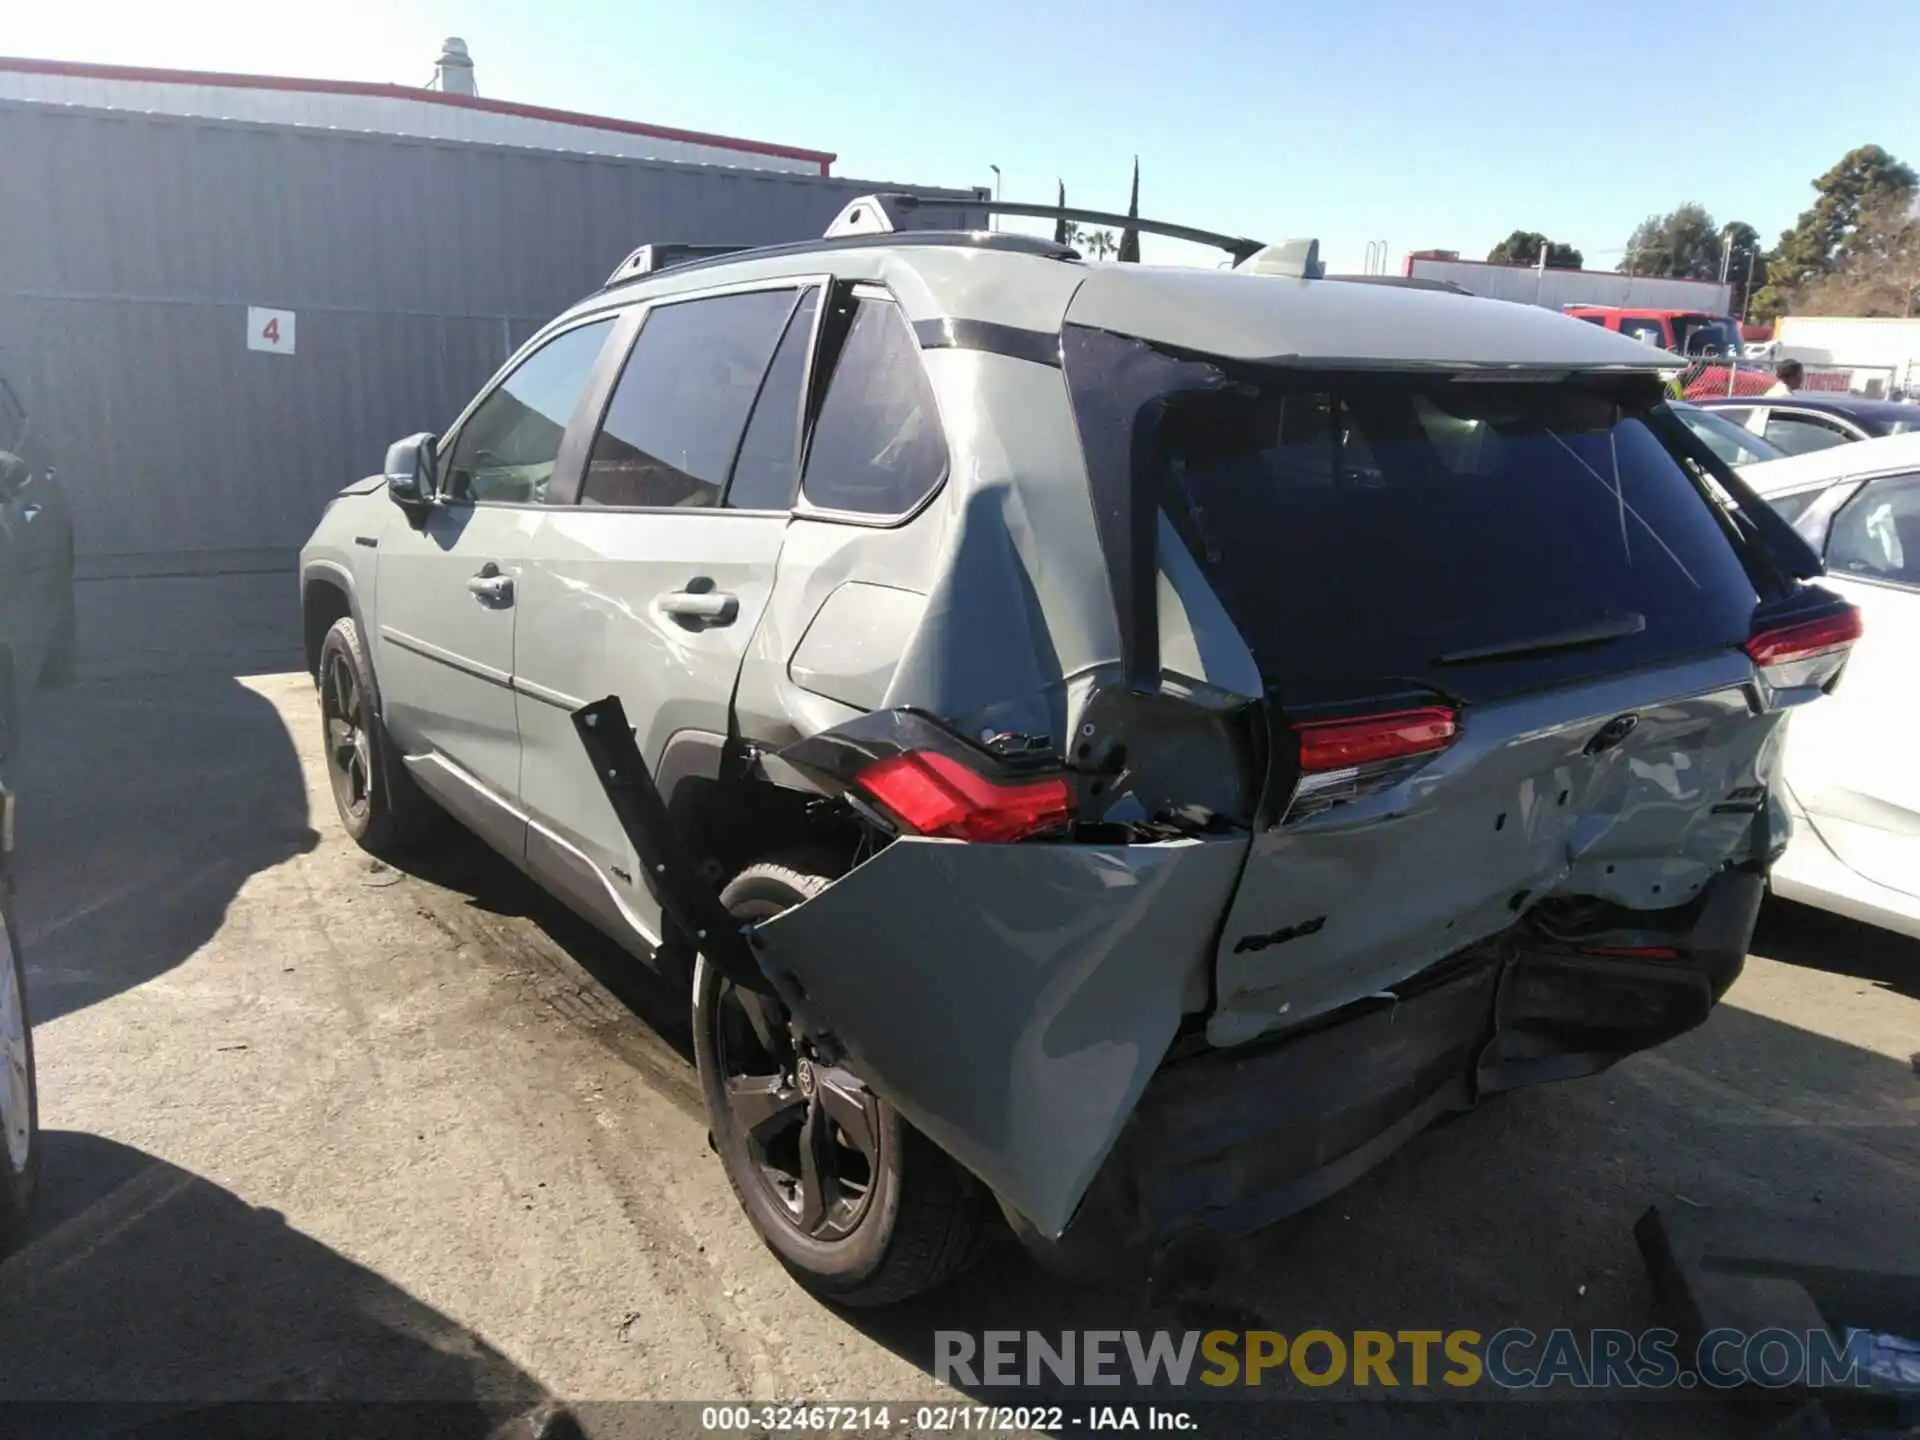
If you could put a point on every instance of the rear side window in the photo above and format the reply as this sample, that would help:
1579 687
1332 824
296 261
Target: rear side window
766 474
1876 535
1650 332
677 413
1367 532
1799 434
876 447
506 450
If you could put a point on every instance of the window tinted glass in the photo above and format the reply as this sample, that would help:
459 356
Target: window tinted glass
1796 434
1648 331
1730 442
1877 534
766 475
506 449
676 415
1373 531
12 419
877 447
1791 507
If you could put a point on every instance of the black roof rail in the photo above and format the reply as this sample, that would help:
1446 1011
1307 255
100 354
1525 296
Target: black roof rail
732 254
893 208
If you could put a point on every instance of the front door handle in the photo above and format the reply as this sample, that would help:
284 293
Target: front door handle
30 511
491 587
706 607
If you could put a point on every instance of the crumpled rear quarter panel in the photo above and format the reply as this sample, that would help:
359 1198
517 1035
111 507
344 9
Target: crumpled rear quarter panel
1011 1000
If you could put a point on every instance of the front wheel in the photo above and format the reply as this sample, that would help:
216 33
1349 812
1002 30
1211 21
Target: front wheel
859 1206
379 804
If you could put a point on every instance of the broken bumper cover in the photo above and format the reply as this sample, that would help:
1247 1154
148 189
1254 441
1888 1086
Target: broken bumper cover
1227 1142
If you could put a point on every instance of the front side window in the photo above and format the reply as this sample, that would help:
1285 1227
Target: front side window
1876 536
766 472
1650 332
506 450
676 416
1799 434
877 448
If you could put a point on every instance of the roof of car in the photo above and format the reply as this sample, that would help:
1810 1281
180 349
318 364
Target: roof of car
1328 323
1836 462
1859 407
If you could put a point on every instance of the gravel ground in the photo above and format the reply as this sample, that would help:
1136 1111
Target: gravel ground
321 1129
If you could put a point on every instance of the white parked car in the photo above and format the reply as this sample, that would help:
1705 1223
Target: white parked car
1852 775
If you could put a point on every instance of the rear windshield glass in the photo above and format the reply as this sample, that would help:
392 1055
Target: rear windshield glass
1459 534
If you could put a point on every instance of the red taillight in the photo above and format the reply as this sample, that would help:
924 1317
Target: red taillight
1635 952
1807 639
1338 744
933 794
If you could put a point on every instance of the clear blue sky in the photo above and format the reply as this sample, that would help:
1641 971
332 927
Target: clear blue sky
1416 122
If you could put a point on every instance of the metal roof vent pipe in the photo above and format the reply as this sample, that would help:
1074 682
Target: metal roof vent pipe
453 71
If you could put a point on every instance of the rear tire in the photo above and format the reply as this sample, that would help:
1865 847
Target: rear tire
901 1217
19 1100
379 804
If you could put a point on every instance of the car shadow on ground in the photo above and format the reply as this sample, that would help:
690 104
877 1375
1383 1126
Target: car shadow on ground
1801 935
147 1286
454 860
144 806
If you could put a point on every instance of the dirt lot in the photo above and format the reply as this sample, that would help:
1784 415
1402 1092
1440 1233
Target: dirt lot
316 1128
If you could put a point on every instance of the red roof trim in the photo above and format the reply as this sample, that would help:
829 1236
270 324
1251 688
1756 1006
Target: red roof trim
82 70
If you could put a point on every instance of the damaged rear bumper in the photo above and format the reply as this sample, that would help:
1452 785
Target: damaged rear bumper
1229 1141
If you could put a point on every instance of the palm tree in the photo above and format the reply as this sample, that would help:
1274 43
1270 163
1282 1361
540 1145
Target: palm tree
1099 244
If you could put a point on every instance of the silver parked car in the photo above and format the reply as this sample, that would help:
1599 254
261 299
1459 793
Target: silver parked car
1133 745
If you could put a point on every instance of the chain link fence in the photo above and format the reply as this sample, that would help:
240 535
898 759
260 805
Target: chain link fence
1711 379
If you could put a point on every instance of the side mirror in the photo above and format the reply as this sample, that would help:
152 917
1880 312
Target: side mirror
409 470
14 473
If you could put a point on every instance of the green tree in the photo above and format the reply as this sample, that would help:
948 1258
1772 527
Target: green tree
1522 247
1684 243
1867 180
1879 275
1099 244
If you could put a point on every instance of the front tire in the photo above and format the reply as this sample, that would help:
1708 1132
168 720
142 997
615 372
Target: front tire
380 806
19 1099
860 1207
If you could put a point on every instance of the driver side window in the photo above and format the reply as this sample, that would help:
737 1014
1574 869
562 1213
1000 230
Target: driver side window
506 451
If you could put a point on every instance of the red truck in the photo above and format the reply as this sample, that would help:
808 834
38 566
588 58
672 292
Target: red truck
1692 333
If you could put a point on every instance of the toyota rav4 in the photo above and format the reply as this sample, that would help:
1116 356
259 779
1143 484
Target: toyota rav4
1125 746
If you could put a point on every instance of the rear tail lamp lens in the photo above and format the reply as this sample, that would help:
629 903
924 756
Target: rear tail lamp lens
1336 744
934 794
1783 644
1344 760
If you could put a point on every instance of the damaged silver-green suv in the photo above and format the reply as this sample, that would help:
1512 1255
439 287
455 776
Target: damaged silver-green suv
1125 747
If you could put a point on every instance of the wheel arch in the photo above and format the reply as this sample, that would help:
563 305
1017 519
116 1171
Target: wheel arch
326 597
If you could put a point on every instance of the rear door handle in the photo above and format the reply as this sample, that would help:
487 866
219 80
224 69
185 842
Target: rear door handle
709 607
491 587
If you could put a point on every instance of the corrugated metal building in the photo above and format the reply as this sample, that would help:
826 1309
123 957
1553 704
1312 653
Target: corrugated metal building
386 110
133 244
